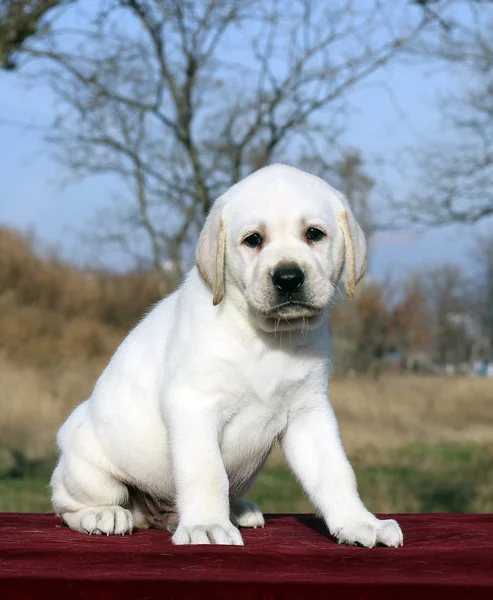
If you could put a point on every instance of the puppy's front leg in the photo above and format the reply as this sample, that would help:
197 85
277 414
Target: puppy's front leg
313 448
202 487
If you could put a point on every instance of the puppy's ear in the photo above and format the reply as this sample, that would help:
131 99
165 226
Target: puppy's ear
211 249
350 248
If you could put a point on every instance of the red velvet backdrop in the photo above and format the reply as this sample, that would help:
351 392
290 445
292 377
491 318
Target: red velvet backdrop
449 556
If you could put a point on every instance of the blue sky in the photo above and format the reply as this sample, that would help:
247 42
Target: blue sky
381 124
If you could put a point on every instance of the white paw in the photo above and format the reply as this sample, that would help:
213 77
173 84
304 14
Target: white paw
368 531
246 514
225 534
106 520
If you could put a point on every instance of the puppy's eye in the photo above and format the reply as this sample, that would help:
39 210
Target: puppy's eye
253 241
314 235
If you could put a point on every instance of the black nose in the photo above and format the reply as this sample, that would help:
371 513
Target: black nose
288 279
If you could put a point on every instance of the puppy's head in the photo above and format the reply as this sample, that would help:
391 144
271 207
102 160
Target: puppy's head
283 238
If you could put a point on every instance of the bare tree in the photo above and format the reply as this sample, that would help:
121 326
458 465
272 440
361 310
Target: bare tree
179 99
482 289
446 290
20 20
410 318
454 171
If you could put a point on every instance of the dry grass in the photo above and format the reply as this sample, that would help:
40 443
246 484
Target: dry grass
417 443
34 401
58 327
51 312
395 411
375 416
399 410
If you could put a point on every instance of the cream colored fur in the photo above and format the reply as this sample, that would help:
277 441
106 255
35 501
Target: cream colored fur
187 411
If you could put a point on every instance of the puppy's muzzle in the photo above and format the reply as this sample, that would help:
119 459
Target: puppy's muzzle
290 300
288 281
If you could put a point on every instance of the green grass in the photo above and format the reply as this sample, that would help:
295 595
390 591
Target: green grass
277 491
417 478
423 478
25 495
24 485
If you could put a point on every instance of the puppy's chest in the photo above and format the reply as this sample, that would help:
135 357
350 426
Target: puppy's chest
248 438
271 379
264 392
260 400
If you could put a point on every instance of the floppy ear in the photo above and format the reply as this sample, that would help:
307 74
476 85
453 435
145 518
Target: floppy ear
350 247
211 249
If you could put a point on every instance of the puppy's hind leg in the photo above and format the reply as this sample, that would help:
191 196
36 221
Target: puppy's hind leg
153 512
90 499
246 514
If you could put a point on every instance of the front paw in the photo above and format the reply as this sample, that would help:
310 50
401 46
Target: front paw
226 534
368 531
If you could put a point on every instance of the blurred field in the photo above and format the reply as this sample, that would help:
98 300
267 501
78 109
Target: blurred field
51 312
418 443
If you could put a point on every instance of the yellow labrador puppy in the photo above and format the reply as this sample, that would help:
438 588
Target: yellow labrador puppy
187 411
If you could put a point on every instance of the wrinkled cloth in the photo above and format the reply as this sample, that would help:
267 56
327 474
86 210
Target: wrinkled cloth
444 556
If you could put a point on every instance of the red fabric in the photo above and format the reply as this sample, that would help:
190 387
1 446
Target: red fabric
449 556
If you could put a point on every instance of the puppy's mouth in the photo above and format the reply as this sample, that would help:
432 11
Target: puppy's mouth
291 314
292 307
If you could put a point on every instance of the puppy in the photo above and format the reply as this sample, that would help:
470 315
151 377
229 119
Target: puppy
184 416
